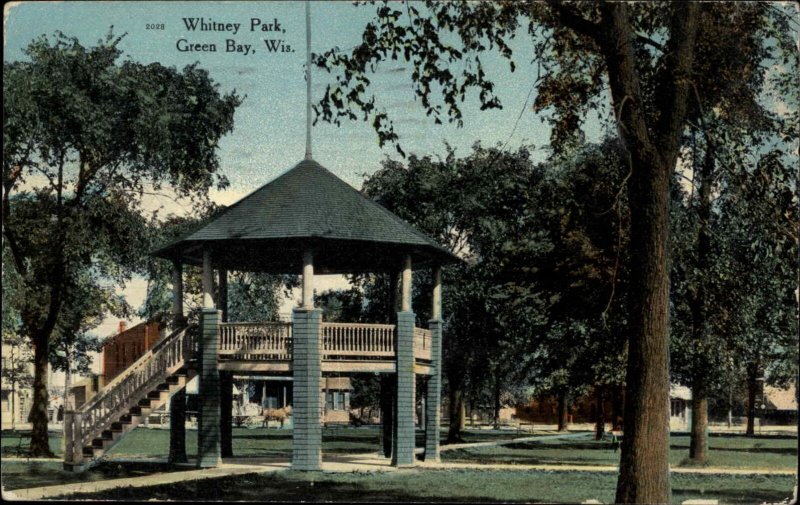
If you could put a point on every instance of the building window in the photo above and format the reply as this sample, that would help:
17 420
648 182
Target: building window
337 400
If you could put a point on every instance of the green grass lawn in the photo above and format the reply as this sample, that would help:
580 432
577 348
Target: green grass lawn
729 451
15 443
426 485
449 486
154 443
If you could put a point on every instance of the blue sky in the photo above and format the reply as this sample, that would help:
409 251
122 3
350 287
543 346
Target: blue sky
269 134
269 130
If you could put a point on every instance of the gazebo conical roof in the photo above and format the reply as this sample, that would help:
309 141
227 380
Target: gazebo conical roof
307 207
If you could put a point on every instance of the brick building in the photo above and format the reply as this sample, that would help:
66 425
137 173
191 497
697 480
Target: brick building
128 345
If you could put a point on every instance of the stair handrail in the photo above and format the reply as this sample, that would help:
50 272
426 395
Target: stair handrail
130 370
164 358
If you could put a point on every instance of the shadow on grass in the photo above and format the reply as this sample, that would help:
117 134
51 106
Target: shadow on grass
579 446
350 439
20 475
752 437
732 496
271 488
789 451
264 436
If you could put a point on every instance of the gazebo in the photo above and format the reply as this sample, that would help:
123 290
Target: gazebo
305 221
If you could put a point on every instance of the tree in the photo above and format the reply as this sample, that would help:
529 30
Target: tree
760 218
84 138
649 58
16 353
255 296
252 296
541 295
351 306
478 216
731 116
86 302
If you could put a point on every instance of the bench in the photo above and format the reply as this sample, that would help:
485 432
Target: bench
610 436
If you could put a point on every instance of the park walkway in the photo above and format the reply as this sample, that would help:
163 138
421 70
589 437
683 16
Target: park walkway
336 463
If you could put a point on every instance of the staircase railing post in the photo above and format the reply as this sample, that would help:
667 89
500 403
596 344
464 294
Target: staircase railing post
77 438
68 437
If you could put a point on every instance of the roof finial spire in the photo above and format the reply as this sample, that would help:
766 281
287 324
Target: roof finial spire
308 80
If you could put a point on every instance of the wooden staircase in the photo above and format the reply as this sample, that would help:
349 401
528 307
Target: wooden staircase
135 416
125 402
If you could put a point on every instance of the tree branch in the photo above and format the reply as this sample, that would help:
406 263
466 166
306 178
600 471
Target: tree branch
10 176
572 19
650 42
678 66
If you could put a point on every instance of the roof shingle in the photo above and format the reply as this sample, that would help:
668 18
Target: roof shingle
307 203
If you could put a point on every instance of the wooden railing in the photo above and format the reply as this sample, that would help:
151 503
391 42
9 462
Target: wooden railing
422 343
125 391
352 340
273 341
256 341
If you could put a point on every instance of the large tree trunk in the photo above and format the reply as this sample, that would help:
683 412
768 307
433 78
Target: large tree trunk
496 410
618 400
644 463
752 390
40 443
600 419
652 154
698 446
562 411
457 411
177 427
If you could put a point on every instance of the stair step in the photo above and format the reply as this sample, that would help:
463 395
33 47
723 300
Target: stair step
164 386
139 410
175 379
107 435
144 402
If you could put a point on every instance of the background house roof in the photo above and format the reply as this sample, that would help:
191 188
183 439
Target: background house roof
679 392
308 206
780 399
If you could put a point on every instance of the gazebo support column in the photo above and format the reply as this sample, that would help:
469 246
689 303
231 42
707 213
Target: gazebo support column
387 413
306 408
307 372
178 320
208 280
226 414
222 302
225 378
177 427
308 280
433 404
208 423
403 450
